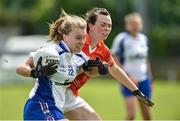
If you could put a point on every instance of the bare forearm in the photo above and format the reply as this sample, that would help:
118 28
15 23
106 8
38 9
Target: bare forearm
149 70
24 70
121 76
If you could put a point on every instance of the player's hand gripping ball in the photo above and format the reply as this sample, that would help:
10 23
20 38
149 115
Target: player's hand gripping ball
48 54
46 62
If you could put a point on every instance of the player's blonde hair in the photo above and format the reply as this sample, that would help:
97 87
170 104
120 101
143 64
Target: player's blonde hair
63 25
131 16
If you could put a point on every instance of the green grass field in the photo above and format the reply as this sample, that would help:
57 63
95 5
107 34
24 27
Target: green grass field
103 95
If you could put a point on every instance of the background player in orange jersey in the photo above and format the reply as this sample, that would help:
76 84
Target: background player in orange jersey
99 26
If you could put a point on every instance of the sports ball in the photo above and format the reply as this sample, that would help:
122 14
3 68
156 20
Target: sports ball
48 54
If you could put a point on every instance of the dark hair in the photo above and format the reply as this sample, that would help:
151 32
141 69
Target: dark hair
91 15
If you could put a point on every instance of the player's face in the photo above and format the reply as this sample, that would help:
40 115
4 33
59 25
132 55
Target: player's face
134 25
102 27
75 39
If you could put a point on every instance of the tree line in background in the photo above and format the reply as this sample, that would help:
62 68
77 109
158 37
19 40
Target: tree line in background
162 17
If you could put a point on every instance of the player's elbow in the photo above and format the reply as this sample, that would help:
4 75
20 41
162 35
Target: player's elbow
23 71
18 69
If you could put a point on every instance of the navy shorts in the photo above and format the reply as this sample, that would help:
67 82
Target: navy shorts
144 87
35 110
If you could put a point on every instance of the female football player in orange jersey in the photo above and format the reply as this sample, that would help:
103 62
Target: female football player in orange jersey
99 26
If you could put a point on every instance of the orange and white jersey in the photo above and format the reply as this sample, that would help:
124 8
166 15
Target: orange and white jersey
101 51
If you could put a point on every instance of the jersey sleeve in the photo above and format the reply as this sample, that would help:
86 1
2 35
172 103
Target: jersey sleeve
31 54
116 44
147 41
82 58
78 82
108 57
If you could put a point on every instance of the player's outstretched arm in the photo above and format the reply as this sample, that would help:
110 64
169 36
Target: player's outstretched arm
121 76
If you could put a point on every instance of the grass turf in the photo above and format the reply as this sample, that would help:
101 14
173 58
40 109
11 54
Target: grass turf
103 95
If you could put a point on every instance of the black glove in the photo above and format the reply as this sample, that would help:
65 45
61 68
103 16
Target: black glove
40 71
87 66
143 98
103 69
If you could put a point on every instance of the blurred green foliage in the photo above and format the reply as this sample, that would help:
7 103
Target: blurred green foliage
32 16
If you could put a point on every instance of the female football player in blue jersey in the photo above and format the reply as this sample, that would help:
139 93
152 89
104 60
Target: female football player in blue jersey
130 51
51 97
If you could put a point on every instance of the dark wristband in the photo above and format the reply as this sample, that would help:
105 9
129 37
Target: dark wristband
33 73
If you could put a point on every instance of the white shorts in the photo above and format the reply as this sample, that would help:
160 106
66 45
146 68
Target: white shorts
72 102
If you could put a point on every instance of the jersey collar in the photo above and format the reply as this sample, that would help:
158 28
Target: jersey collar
88 41
63 45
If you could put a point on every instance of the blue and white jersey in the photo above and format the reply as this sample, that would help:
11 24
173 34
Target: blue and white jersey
53 90
133 52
